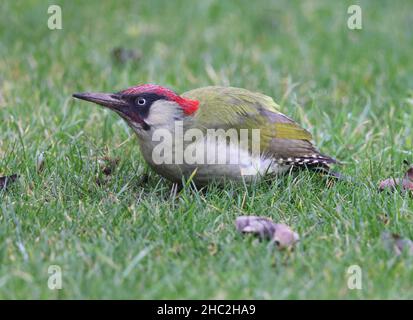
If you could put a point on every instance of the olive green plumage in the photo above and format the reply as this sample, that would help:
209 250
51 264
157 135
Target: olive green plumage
281 138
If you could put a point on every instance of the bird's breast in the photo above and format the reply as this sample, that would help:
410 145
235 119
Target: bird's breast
213 159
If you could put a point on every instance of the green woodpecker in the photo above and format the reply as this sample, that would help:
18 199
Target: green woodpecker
244 130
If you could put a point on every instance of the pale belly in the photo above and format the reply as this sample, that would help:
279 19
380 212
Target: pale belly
237 164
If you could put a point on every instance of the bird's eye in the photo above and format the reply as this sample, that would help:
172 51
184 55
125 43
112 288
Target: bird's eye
141 101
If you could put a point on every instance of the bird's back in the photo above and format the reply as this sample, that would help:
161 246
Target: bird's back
281 138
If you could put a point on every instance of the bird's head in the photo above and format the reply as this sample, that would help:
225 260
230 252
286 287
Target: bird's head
145 106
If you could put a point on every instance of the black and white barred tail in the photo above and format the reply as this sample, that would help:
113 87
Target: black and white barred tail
307 160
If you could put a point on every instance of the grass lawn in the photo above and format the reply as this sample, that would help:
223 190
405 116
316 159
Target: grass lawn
128 238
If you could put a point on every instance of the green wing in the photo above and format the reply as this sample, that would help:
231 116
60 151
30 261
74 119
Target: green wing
281 137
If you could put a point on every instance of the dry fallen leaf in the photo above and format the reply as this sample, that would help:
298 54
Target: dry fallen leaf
122 55
108 165
261 226
7 180
265 228
284 237
395 243
405 183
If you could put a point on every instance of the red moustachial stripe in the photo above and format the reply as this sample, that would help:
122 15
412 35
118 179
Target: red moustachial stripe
189 106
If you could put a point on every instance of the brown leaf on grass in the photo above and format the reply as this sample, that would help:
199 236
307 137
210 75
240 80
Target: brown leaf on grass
122 55
284 237
7 180
404 184
261 226
265 228
108 165
395 243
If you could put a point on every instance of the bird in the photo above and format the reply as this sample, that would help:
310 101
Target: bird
181 136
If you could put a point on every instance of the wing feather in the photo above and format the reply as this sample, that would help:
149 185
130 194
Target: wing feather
281 137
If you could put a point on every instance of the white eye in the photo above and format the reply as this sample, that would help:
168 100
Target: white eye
141 101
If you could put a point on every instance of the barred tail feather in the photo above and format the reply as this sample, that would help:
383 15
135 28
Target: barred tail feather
308 160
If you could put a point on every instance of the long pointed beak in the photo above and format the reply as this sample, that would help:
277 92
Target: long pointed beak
109 100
